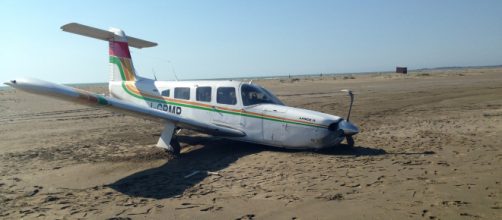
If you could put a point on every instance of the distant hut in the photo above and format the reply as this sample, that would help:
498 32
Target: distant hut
403 70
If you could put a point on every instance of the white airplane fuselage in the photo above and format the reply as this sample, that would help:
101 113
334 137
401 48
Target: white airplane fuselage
268 124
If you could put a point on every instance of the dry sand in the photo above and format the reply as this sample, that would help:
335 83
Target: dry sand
430 147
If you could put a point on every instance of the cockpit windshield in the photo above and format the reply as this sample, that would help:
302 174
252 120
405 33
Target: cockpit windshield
253 94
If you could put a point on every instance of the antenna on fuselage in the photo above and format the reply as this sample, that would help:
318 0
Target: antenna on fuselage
154 75
172 68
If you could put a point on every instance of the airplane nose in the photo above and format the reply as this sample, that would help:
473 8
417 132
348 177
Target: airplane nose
348 128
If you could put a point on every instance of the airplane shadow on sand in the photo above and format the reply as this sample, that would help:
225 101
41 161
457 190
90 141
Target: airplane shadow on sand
170 179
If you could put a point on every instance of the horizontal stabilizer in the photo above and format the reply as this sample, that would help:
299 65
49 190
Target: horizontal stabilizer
93 32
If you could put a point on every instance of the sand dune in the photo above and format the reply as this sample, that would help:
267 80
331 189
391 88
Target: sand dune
430 147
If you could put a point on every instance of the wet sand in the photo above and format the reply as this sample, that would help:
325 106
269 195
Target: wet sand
430 147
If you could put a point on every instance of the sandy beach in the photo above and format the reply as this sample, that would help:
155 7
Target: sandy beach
430 147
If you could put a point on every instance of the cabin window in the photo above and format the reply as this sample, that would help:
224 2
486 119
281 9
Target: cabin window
226 95
182 93
203 94
166 93
253 95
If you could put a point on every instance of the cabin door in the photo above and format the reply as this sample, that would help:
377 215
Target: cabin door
226 112
251 123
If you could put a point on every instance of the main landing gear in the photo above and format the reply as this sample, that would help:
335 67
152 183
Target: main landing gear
167 136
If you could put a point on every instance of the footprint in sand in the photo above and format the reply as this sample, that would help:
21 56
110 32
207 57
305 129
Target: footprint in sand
246 217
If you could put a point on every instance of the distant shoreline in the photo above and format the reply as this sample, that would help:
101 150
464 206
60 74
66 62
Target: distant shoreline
304 75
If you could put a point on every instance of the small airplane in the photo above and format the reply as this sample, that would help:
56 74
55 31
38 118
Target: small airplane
236 110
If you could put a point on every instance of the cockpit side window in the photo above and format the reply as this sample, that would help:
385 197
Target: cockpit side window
203 94
252 95
166 93
226 95
182 93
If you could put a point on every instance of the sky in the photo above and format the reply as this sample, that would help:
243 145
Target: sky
219 39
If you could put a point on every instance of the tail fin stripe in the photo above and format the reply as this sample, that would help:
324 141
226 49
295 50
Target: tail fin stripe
116 61
128 69
119 49
125 68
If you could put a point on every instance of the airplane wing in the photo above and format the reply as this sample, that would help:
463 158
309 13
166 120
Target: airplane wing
87 98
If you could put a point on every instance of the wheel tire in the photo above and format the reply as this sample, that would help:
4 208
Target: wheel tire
176 146
350 141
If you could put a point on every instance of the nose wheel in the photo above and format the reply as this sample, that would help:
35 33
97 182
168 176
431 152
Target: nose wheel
350 141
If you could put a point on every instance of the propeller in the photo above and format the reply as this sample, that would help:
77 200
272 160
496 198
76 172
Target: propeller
349 92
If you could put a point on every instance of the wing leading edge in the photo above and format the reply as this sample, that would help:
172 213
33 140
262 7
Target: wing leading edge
67 93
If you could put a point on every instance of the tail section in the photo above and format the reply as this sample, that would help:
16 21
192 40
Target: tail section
121 66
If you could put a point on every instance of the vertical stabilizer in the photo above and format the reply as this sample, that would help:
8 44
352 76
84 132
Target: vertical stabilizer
121 67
